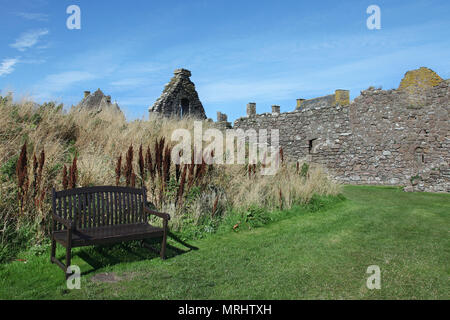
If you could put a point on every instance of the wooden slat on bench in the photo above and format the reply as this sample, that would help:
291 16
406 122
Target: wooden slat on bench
112 207
134 197
59 210
138 211
84 211
77 199
106 208
119 204
124 209
91 212
99 217
66 212
131 202
69 207
129 210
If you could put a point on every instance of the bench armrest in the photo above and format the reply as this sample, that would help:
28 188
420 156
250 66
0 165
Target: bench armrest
69 224
165 216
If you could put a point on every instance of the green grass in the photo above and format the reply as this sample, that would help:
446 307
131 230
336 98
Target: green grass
310 254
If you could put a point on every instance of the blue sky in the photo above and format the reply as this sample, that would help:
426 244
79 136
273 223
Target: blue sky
268 52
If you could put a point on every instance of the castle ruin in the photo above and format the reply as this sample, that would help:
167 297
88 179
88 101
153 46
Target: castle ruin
386 137
179 98
97 103
396 137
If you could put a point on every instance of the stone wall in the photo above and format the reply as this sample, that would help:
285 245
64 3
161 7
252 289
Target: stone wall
397 140
179 98
392 137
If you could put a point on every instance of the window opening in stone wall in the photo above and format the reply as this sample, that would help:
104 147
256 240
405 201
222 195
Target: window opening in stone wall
420 157
311 145
184 107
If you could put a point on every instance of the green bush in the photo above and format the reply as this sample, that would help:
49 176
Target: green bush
8 169
304 170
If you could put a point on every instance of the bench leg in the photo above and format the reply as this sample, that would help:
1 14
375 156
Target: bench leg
164 241
56 261
68 258
68 251
53 250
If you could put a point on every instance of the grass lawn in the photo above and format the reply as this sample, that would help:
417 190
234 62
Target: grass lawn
309 255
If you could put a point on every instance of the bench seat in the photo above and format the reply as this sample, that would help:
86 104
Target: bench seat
109 234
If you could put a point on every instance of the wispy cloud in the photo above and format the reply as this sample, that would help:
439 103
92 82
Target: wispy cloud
33 16
57 83
29 39
129 82
33 60
7 66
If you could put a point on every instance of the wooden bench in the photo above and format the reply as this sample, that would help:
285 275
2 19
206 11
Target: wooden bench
101 215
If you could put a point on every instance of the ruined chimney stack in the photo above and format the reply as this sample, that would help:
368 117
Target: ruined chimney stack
299 103
251 109
342 97
275 109
221 117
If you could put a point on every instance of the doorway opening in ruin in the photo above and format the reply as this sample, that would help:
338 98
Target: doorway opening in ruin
184 104
311 145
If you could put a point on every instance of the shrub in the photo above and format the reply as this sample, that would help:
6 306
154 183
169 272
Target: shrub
305 169
8 169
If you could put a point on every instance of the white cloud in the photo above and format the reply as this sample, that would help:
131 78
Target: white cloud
129 82
57 83
33 60
29 39
33 16
7 66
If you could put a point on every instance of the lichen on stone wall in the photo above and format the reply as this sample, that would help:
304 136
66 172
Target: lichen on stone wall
342 97
422 78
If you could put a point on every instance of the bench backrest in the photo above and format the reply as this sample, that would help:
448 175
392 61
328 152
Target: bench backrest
94 207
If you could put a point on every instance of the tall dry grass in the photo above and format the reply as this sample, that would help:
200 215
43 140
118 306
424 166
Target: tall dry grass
98 142
280 191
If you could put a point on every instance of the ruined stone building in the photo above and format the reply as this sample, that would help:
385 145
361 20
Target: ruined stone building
98 103
390 137
179 98
394 137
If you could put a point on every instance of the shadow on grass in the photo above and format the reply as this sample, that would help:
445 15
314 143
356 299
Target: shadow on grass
108 255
